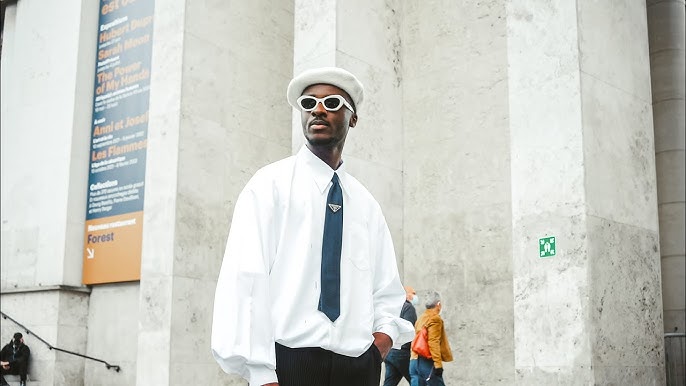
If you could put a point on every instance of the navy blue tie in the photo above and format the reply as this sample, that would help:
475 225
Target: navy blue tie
330 297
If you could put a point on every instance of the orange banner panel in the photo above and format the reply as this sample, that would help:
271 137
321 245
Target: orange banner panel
112 249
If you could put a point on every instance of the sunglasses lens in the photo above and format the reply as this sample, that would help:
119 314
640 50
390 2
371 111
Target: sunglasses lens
332 103
308 103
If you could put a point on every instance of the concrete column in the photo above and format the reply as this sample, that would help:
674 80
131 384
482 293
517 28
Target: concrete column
666 33
46 98
456 147
46 93
112 325
362 37
217 114
583 171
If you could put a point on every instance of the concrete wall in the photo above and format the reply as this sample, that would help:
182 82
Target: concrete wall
58 316
112 334
547 195
46 96
485 127
362 37
583 171
217 114
666 22
456 167
46 93
621 194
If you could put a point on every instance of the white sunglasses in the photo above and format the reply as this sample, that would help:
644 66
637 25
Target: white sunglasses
330 103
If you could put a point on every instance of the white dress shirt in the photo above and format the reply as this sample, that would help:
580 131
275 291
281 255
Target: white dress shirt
269 284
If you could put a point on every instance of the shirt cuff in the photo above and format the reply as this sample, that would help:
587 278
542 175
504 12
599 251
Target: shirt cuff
261 375
392 331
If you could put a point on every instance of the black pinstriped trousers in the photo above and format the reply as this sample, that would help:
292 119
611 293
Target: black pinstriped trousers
314 366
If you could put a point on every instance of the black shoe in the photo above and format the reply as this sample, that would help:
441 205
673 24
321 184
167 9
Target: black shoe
22 383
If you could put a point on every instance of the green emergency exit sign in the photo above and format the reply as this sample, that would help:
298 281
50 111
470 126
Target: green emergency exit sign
546 247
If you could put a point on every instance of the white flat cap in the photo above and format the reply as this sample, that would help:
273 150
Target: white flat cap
326 75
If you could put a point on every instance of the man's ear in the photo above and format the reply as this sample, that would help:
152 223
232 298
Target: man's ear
353 120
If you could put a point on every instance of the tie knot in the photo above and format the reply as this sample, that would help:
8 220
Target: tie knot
334 179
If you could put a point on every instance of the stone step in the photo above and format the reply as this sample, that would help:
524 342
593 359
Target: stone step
13 380
28 383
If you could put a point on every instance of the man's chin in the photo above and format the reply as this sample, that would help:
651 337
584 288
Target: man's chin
320 141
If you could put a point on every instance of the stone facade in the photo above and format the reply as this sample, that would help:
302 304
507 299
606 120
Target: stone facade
486 126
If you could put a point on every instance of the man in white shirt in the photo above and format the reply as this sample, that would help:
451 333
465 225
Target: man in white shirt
309 292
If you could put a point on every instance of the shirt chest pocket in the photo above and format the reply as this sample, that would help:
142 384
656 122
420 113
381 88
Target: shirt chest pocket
359 246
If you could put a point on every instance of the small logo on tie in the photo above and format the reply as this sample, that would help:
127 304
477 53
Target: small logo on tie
334 207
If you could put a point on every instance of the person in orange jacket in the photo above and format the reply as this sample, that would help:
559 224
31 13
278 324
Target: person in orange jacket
429 371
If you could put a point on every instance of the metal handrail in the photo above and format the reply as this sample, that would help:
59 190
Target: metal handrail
51 347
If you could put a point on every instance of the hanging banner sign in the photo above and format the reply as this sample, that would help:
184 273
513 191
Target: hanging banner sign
116 184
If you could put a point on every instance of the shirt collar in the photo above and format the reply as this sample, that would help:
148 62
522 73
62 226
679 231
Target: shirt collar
321 171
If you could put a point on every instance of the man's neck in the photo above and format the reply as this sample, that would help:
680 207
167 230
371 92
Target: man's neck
330 156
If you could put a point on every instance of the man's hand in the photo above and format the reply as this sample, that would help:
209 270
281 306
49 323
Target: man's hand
383 342
271 384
